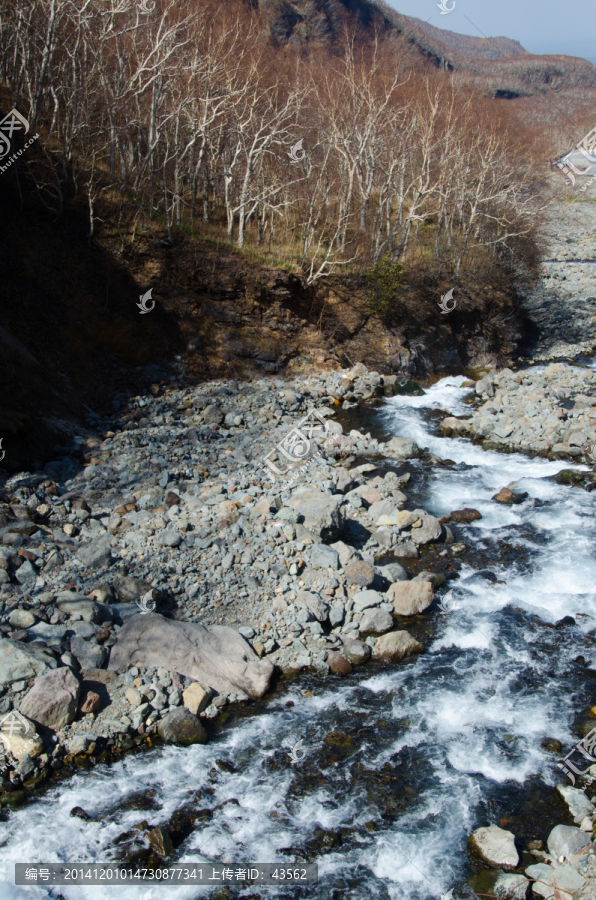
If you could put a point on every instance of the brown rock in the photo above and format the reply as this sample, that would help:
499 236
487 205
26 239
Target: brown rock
338 664
160 841
396 645
360 572
102 635
52 701
465 515
410 597
91 703
196 698
172 499
506 495
182 727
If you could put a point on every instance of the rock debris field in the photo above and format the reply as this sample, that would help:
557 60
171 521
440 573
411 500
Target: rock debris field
244 574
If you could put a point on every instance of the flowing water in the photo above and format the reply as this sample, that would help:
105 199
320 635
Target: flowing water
402 762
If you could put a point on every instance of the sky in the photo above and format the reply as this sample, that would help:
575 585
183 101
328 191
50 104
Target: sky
541 26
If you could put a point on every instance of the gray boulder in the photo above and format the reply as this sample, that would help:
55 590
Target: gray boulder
128 589
289 515
88 655
324 514
393 572
323 556
20 662
400 448
510 886
381 508
26 573
430 530
21 618
169 538
375 621
565 840
183 727
95 555
217 657
53 699
336 614
213 416
344 481
579 805
78 605
356 652
495 846
360 572
314 604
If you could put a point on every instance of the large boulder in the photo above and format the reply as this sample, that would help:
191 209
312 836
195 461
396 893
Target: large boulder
18 661
495 846
314 604
53 699
88 655
182 727
128 589
95 555
324 514
429 530
375 621
78 604
356 652
565 840
217 657
410 597
360 572
396 645
400 448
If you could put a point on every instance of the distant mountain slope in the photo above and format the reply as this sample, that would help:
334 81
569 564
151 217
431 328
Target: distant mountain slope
461 44
500 66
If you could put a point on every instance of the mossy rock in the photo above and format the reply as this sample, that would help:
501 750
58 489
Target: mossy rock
570 476
410 388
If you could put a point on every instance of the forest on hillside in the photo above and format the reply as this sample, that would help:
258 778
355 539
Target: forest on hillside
185 117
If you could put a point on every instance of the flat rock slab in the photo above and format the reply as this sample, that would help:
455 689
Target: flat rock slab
217 657
495 846
365 599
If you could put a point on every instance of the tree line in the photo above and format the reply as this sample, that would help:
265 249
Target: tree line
186 116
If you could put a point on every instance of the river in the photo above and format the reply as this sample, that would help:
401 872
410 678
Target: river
401 762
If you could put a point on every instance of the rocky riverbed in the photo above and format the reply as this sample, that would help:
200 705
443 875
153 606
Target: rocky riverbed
175 573
159 575
545 410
